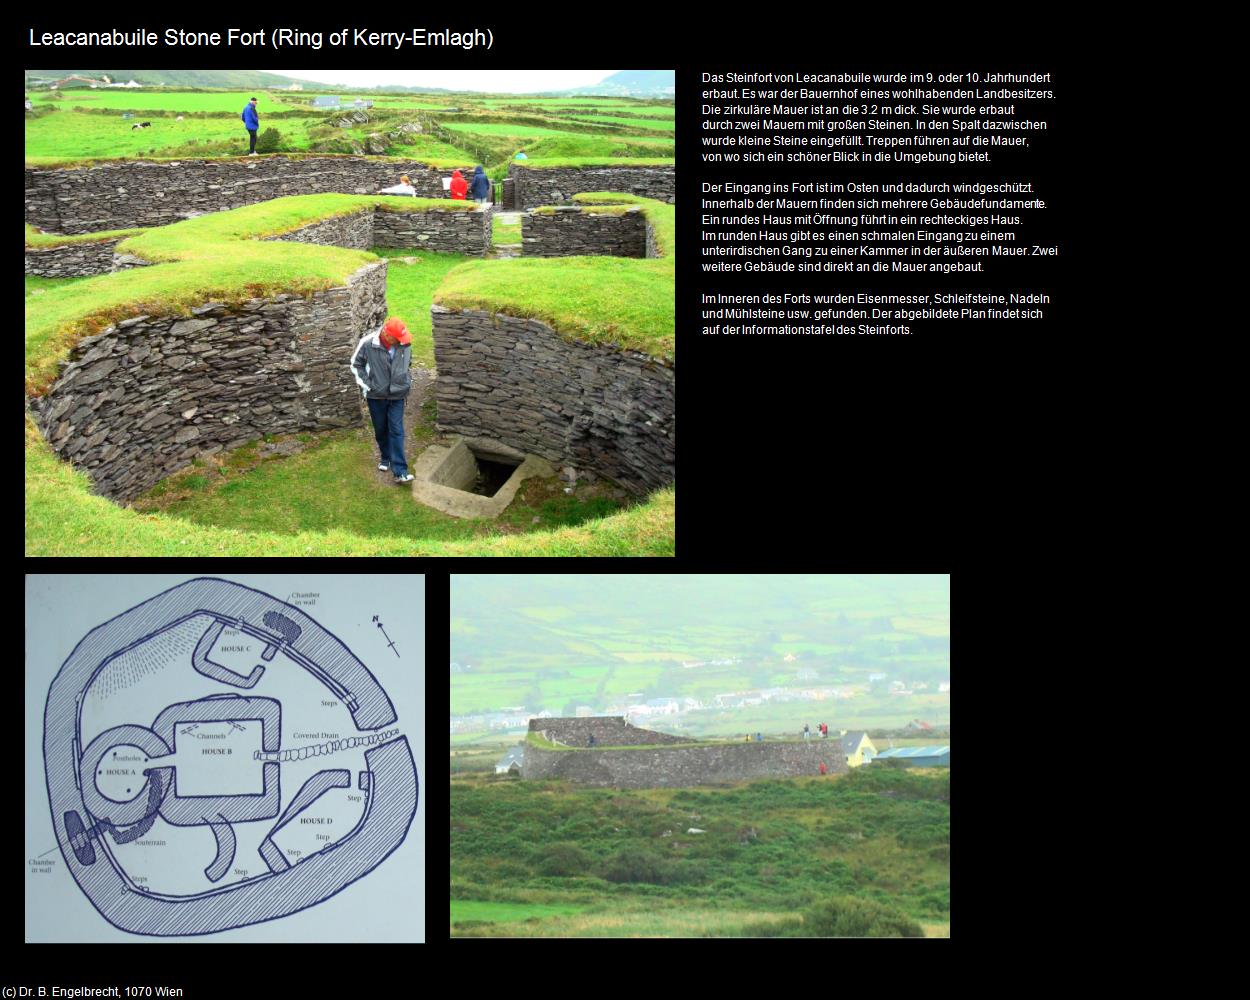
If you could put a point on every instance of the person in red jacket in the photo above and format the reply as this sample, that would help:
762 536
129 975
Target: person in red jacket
459 186
822 767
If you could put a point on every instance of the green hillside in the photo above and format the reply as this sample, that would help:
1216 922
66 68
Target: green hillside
556 643
549 859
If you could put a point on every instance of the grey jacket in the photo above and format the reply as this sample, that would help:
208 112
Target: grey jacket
378 374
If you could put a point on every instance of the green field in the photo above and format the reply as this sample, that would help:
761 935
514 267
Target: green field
70 134
61 133
468 909
659 126
772 853
156 100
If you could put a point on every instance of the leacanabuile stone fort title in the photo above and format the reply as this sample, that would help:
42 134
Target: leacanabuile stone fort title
278 38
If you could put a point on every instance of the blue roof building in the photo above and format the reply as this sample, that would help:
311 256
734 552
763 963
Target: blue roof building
918 756
325 102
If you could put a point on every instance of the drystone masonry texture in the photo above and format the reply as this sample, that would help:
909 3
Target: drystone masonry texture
682 767
146 396
608 730
594 407
77 259
569 232
144 193
536 186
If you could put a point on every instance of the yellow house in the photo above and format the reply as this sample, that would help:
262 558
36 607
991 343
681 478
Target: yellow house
858 748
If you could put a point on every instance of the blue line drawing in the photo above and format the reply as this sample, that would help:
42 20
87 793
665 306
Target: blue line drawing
128 797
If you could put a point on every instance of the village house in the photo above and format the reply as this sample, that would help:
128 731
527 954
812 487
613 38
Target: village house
511 761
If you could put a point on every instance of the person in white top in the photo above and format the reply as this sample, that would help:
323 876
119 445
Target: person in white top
403 187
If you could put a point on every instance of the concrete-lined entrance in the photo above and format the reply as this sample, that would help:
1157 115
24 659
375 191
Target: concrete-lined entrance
469 477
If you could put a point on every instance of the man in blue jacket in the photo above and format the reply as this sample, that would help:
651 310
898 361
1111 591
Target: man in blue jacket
251 122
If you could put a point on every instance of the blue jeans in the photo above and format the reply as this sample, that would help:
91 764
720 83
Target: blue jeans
388 428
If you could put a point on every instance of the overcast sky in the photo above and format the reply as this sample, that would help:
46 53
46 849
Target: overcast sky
507 81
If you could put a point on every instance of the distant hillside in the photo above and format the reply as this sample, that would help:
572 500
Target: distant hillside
229 79
867 651
631 83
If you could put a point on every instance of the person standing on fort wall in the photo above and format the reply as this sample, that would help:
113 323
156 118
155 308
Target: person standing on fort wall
807 732
251 122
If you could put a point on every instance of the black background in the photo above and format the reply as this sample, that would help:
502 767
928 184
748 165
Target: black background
928 453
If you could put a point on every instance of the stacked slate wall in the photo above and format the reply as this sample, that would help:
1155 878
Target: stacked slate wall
75 260
537 186
682 767
145 193
608 730
146 396
594 407
445 232
571 231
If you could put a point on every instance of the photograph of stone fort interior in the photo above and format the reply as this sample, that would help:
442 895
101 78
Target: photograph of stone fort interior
271 311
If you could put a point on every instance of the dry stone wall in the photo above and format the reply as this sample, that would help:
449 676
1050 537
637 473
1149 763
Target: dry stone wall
571 231
145 193
537 186
74 259
517 381
608 730
683 767
445 232
146 396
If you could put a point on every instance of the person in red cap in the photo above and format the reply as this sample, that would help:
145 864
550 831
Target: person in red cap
380 366
459 186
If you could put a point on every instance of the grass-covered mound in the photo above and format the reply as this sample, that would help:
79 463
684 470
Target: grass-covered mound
597 300
39 240
547 162
220 257
75 162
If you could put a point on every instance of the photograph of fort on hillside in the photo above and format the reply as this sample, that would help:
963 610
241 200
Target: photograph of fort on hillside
335 313
700 756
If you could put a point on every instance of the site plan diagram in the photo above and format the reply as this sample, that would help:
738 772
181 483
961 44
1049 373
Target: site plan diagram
215 758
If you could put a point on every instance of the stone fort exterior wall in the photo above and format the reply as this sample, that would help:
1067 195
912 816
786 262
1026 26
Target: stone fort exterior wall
665 766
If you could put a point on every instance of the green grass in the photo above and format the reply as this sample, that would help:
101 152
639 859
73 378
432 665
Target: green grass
509 128
37 239
596 300
333 485
64 518
648 123
37 286
410 289
73 135
155 100
75 162
503 234
881 838
471 909
547 162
